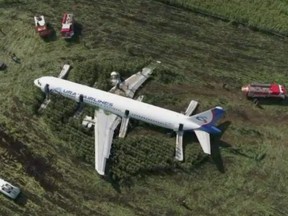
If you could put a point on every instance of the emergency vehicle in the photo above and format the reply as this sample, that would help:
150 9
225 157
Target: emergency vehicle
67 30
8 189
41 26
257 90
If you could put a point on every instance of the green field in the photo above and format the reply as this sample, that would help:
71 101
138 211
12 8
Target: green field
51 157
264 15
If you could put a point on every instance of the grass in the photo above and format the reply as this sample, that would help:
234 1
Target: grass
51 157
267 16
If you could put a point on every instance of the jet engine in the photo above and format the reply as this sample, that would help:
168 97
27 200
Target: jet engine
115 78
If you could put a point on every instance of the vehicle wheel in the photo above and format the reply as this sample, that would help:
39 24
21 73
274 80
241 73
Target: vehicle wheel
256 101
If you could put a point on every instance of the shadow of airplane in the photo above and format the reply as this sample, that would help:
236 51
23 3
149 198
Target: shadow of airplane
118 176
216 143
166 166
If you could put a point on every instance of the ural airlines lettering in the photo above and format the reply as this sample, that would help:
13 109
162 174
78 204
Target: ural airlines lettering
202 118
57 90
90 99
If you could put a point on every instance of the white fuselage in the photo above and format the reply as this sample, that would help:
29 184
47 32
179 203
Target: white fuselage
118 104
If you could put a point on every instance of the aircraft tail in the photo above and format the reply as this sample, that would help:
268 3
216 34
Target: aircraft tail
206 121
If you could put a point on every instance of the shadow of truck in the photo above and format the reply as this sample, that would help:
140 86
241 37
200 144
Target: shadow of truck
3 66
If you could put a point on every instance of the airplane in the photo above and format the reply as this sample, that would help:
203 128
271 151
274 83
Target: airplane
113 109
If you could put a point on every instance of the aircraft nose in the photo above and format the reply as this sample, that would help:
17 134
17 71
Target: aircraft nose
37 83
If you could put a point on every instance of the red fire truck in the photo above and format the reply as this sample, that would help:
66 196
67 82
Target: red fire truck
41 26
67 30
257 90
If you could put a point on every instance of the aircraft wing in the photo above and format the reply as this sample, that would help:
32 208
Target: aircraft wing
131 84
105 124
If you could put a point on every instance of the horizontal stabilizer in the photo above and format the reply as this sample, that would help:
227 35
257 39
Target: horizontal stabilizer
192 106
204 139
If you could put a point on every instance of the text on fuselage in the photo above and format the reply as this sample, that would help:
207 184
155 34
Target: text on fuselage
88 98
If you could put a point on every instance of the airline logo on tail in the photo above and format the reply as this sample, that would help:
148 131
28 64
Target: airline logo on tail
202 119
207 120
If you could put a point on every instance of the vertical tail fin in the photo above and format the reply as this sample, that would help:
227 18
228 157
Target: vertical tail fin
207 120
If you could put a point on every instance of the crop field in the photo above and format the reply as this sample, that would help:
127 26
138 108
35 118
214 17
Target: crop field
51 157
264 15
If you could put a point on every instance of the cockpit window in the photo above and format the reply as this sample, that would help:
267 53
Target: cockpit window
39 82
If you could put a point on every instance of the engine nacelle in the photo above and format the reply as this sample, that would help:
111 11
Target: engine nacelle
115 78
